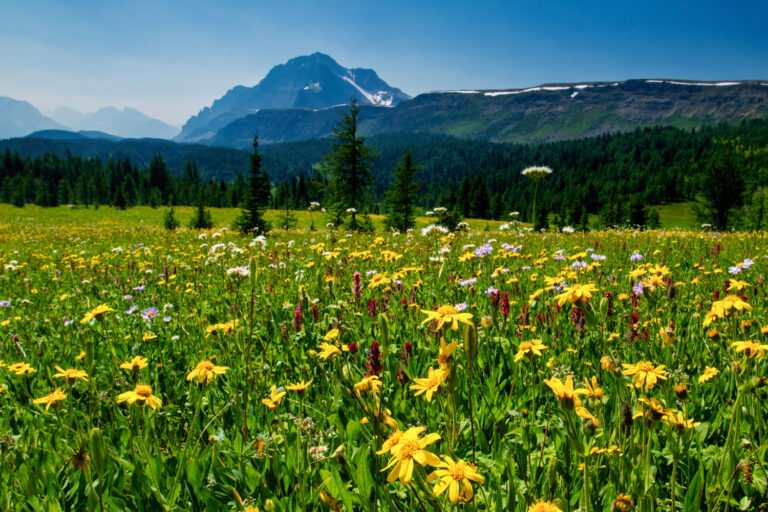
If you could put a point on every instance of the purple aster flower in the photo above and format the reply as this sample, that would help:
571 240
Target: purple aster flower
149 313
636 256
132 310
139 288
638 288
483 250
166 319
462 306
491 290
127 297
468 282
5 303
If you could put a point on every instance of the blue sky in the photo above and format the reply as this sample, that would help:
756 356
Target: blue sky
171 58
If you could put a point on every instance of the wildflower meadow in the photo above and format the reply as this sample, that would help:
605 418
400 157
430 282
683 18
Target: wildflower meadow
146 369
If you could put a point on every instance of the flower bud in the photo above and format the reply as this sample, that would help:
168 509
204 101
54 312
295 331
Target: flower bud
470 342
98 456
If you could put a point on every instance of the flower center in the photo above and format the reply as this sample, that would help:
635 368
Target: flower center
457 472
447 310
645 366
205 365
144 390
526 346
408 447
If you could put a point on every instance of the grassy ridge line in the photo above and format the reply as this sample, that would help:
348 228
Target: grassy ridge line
678 215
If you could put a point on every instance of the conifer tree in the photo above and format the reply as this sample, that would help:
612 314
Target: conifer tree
402 195
348 165
251 219
202 217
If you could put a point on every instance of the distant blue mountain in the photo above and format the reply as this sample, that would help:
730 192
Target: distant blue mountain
128 123
310 82
18 118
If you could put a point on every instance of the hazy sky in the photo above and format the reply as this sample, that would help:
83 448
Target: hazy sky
169 59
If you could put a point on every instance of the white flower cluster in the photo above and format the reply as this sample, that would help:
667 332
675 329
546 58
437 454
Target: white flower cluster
537 172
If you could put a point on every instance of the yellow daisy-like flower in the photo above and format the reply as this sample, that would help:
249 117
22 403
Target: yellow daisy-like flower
753 349
456 477
410 448
543 506
533 348
447 315
142 394
206 371
722 308
644 374
679 422
98 313
273 402
80 356
71 374
379 280
565 393
431 384
391 441
331 335
327 350
222 328
21 369
135 364
576 293
594 391
148 336
708 374
384 415
655 410
369 382
445 353
56 395
299 387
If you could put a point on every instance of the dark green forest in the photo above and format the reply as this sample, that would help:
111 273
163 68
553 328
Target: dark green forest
479 179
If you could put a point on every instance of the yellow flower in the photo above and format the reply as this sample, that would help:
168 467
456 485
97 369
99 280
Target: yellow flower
273 402
143 394
644 374
81 355
56 395
543 506
331 335
410 448
299 387
371 382
71 374
623 503
655 409
21 369
708 374
752 348
379 280
456 477
594 391
722 308
736 285
384 415
576 293
678 421
148 337
135 364
224 328
533 347
431 384
391 441
205 371
447 315
565 393
327 350
446 353
98 313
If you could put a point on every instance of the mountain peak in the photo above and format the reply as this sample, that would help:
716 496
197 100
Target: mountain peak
313 81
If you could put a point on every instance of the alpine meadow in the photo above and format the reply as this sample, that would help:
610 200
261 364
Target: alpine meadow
319 292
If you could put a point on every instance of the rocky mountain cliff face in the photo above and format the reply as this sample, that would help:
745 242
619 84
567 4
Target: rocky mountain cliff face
539 114
310 82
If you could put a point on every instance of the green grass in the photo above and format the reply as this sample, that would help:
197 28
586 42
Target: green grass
678 215
221 217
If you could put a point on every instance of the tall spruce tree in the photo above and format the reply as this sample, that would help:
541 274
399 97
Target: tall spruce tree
402 195
349 168
251 219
